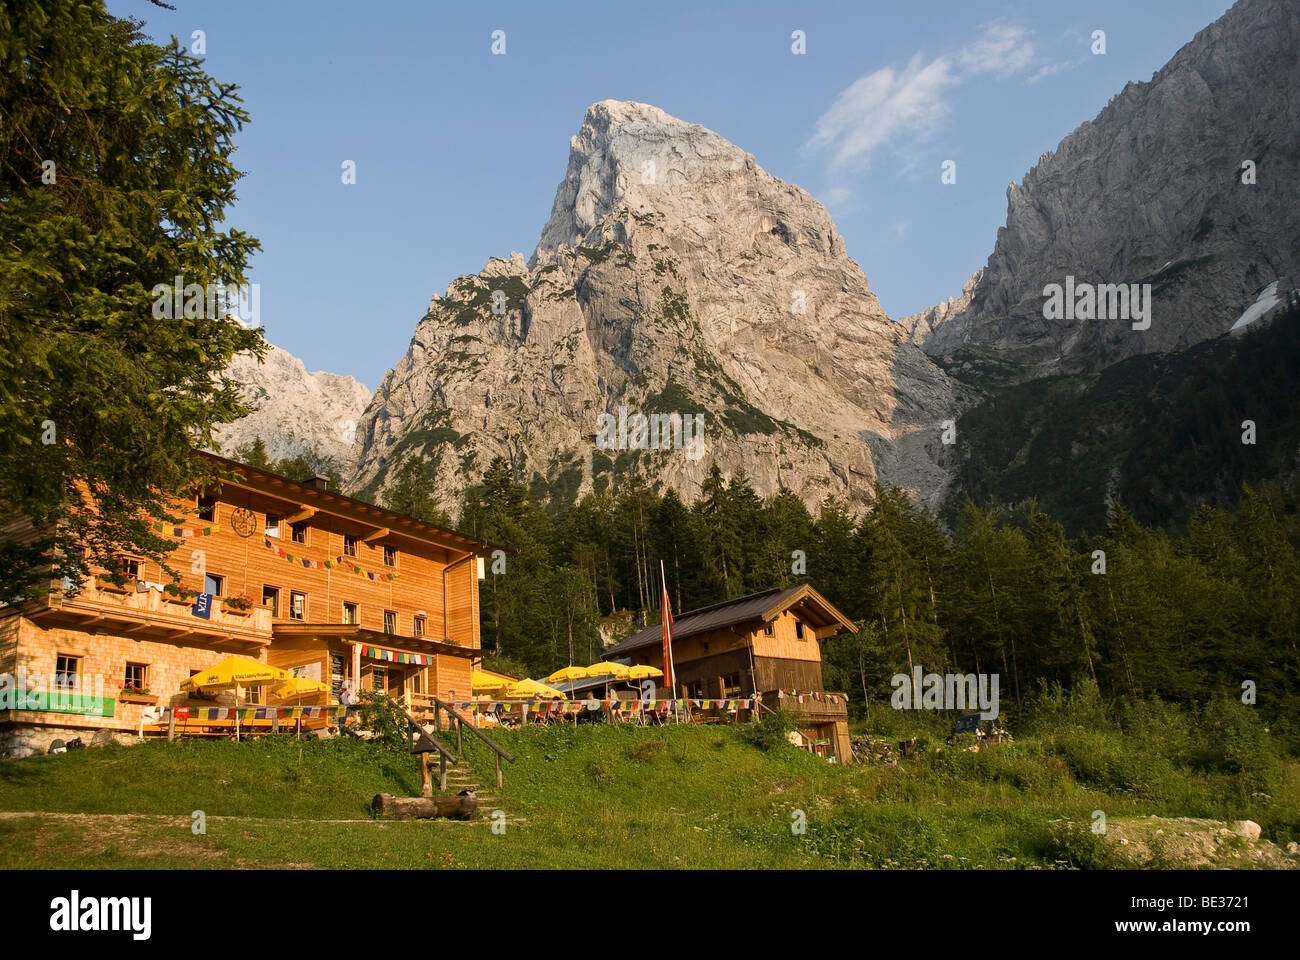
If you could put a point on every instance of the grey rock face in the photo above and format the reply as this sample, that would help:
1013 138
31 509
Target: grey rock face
1152 191
941 329
296 411
675 276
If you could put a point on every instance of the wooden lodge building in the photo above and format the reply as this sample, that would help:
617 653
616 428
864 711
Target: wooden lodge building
340 589
766 643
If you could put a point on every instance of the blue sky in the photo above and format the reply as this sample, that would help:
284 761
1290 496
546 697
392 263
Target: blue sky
458 151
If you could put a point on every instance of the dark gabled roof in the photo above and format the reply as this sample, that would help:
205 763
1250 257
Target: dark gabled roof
764 606
380 516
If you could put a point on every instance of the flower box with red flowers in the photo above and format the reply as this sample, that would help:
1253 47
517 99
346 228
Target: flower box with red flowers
179 593
240 604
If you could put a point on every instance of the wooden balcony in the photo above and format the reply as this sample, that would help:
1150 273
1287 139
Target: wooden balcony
816 707
152 616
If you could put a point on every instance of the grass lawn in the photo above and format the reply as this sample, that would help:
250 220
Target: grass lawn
590 797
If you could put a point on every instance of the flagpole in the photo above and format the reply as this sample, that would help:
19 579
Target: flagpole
665 620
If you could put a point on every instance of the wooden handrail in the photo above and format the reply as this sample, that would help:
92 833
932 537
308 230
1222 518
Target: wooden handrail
464 721
413 725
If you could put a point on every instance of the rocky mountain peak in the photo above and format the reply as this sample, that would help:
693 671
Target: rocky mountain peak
632 160
1183 186
297 411
674 276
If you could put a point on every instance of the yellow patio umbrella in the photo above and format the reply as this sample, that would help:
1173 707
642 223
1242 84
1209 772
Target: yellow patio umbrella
527 689
481 682
643 671
298 687
570 673
608 668
233 672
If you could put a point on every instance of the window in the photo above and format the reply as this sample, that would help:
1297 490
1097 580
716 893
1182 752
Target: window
214 584
207 508
136 676
349 546
379 679
798 629
390 621
271 598
252 694
297 606
767 629
298 532
390 556
272 525
132 568
66 672
731 685
350 613
417 627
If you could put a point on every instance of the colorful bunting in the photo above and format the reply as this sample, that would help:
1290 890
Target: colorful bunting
836 698
256 713
396 656
167 530
337 562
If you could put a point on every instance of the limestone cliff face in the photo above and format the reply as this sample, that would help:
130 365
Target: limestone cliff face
675 276
297 411
941 329
1152 191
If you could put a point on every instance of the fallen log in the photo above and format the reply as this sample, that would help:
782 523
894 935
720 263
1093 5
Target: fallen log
463 806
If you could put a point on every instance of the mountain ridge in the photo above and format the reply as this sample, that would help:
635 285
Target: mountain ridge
1151 191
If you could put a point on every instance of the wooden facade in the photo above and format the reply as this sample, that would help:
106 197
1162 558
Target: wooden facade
340 590
764 643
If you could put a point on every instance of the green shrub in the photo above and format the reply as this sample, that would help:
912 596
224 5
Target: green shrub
771 731
1053 707
1072 844
385 718
1234 740
1165 727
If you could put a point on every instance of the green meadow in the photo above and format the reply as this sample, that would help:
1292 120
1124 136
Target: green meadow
679 796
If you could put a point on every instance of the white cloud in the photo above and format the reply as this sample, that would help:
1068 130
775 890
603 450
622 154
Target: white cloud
880 106
835 197
1001 48
1051 69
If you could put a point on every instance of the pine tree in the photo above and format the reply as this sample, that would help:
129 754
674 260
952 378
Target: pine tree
115 172
254 455
897 583
413 493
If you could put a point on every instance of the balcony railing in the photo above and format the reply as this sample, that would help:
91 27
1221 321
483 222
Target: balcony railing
811 704
156 604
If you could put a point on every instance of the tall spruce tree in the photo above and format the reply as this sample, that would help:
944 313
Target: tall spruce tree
115 174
